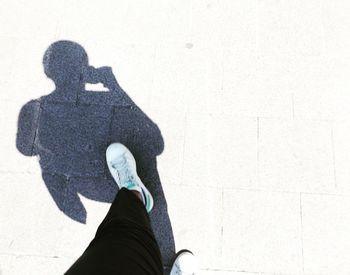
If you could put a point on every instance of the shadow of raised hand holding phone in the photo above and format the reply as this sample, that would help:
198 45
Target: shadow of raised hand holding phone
70 129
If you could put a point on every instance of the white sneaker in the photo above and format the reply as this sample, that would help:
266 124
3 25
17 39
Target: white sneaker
185 263
122 166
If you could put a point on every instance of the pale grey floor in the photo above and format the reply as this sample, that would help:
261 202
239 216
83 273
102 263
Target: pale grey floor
253 101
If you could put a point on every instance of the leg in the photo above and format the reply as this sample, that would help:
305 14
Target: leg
127 206
124 242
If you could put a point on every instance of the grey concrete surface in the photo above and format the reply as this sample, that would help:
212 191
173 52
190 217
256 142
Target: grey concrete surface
251 98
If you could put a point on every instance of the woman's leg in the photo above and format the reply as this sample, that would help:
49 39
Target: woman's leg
124 242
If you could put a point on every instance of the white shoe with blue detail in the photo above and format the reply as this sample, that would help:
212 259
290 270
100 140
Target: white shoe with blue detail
184 263
122 166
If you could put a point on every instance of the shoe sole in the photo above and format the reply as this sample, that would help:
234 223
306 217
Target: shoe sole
119 149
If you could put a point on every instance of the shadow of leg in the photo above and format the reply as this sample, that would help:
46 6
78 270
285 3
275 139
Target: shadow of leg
65 196
161 225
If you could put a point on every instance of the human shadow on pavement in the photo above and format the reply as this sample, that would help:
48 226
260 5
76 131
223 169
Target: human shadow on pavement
70 129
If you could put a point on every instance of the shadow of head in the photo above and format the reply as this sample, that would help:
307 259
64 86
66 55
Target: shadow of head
65 61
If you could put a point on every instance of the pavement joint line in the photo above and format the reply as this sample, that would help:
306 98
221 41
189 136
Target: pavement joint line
258 150
246 271
293 106
15 172
222 222
326 194
333 156
301 233
34 255
183 151
261 190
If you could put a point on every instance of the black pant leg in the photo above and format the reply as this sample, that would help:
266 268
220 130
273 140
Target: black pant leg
124 242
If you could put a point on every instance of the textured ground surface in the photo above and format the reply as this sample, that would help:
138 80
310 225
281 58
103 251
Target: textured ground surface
252 99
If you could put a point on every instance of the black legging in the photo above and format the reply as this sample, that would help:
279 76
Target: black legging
124 242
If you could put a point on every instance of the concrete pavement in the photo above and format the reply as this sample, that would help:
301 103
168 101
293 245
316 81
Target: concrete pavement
252 100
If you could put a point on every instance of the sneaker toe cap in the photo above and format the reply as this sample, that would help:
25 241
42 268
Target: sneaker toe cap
114 150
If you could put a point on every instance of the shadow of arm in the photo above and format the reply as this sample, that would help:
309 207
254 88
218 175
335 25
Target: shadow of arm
151 131
26 127
114 87
156 137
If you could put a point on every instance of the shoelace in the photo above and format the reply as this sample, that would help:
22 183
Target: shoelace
125 176
122 169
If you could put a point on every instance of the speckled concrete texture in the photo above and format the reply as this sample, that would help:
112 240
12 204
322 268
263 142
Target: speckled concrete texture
71 128
237 113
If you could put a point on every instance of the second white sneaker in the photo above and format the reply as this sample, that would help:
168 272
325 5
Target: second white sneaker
122 166
184 264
